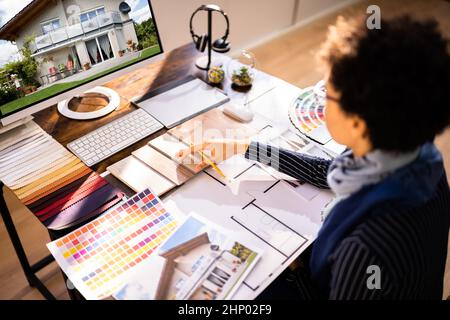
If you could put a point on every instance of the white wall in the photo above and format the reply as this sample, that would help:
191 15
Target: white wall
113 36
75 7
63 9
251 21
121 39
129 33
33 27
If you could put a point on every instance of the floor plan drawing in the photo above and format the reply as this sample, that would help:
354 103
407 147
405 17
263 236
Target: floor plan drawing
272 210
282 217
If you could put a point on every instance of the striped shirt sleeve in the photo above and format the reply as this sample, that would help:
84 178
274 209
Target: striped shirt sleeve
357 274
300 166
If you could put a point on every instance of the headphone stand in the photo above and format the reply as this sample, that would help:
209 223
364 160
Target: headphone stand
201 62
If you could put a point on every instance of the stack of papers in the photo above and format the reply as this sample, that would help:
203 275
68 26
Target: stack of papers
170 145
158 167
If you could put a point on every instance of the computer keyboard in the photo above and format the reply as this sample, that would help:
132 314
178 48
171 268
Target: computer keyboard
109 139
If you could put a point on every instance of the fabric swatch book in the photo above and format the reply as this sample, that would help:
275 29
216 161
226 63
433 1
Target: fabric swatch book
199 261
54 184
100 256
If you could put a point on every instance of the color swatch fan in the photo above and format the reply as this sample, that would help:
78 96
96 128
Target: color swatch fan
99 256
307 114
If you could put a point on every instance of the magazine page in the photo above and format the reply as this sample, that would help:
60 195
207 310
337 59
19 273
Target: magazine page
199 261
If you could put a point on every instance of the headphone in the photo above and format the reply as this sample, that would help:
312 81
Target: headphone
220 45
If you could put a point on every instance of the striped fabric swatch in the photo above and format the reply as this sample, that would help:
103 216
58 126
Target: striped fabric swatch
54 184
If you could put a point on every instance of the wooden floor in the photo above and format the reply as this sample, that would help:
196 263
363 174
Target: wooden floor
290 57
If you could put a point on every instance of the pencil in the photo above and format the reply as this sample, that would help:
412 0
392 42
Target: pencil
209 161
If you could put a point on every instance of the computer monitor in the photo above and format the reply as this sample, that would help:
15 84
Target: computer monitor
69 46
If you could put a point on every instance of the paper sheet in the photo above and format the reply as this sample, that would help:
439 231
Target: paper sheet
274 215
170 169
169 145
138 176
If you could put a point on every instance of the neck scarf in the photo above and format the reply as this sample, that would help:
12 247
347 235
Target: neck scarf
348 174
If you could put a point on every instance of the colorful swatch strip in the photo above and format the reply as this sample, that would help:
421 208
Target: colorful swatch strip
55 185
97 256
308 111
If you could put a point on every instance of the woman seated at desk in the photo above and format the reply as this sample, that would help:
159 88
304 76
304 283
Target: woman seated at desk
387 99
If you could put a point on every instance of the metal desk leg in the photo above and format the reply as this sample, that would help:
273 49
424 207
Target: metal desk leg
29 270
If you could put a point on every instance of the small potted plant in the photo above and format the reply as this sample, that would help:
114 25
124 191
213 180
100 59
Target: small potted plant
61 67
130 45
121 52
242 77
216 75
86 66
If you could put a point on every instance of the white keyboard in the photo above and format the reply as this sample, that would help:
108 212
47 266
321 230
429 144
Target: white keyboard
114 136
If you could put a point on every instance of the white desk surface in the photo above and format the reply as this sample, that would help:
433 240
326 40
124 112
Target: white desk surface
266 212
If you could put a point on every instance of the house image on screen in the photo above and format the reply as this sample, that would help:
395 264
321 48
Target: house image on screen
70 36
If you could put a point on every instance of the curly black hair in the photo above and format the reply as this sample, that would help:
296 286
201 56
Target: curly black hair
396 78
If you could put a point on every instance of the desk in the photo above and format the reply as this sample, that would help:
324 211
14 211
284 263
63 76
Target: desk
177 64
271 108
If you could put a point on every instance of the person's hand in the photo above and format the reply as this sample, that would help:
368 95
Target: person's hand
216 150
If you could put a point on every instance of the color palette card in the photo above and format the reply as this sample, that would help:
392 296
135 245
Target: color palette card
100 256
285 139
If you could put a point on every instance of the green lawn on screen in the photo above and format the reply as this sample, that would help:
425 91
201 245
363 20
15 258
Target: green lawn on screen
60 87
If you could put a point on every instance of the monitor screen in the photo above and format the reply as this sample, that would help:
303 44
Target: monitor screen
51 47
